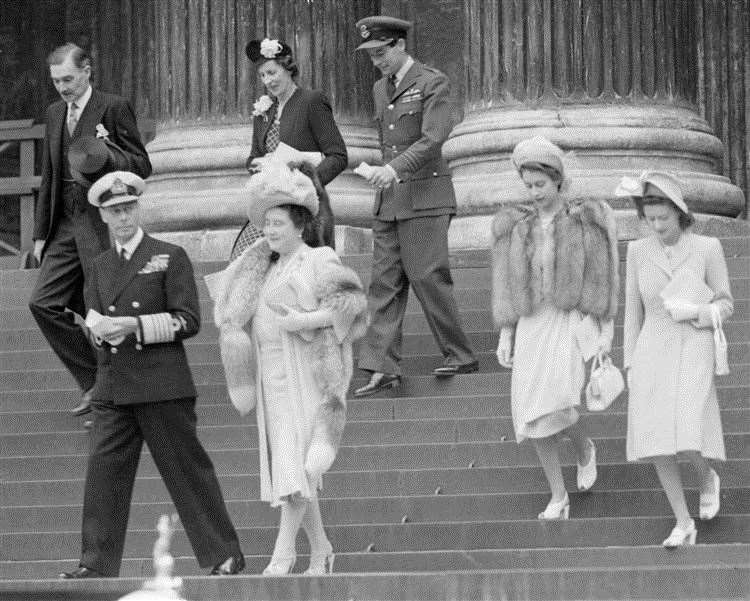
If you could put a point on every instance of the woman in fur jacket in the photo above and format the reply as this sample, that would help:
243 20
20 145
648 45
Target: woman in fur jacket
555 285
304 309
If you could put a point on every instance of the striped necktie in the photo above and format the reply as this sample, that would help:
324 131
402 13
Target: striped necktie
72 117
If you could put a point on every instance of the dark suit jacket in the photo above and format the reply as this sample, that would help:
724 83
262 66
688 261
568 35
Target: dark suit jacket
307 124
413 123
116 115
139 373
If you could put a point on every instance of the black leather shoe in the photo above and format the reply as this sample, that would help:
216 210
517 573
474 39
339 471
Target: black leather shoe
228 567
378 381
84 406
81 572
452 370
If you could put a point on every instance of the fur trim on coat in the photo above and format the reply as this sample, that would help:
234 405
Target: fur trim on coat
584 266
235 292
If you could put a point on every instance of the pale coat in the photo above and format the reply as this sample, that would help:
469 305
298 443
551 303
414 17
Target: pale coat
318 363
672 403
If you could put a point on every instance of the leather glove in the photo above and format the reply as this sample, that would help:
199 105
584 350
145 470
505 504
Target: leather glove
681 310
504 351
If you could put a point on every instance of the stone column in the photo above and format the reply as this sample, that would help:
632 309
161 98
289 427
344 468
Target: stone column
202 90
613 83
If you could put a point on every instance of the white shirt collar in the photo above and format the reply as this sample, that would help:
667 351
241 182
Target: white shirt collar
130 245
82 101
401 73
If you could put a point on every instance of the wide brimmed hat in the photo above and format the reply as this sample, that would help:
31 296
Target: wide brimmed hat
116 188
381 30
277 184
267 49
669 184
90 158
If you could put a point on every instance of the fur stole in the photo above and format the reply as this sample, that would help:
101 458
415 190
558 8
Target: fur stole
583 269
235 292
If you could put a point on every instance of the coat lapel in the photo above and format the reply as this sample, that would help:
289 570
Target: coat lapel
57 122
126 274
408 80
108 274
91 116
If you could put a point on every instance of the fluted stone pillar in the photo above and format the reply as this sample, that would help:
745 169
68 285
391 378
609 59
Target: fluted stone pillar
203 87
613 83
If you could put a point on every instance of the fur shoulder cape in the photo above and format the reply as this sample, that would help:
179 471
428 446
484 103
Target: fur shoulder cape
235 292
584 268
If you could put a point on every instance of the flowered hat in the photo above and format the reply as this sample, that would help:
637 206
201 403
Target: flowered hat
267 49
277 184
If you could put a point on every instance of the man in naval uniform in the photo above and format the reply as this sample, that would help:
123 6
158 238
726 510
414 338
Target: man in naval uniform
143 303
413 209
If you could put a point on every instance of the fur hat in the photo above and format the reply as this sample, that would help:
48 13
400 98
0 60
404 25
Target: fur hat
538 150
278 184
668 183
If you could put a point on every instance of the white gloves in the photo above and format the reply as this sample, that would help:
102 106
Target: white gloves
505 347
294 321
681 310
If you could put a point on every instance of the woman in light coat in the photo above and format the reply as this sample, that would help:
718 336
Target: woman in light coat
555 285
674 276
304 309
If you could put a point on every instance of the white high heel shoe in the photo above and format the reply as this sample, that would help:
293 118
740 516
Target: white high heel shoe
321 564
280 566
710 502
556 511
586 474
681 536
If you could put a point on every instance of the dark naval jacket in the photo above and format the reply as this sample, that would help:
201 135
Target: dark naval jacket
157 286
413 124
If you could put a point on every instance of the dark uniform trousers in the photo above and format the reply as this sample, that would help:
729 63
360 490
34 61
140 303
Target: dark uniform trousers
411 219
169 430
144 392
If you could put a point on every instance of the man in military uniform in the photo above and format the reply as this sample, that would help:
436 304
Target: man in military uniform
413 208
143 302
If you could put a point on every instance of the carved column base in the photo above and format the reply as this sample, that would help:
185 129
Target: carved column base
196 195
605 143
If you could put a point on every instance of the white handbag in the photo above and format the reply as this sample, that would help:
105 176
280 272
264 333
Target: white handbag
605 383
721 363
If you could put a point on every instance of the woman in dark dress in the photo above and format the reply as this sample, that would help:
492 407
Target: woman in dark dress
301 118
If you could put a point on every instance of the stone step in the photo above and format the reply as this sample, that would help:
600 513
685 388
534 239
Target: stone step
463 480
357 432
402 509
352 458
669 582
475 534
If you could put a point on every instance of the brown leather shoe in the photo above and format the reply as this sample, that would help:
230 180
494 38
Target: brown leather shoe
84 406
81 572
378 381
229 567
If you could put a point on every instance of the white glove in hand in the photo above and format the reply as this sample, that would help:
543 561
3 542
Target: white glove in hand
505 348
629 378
294 321
681 310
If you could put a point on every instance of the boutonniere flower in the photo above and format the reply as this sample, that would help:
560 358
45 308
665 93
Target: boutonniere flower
261 106
101 131
270 48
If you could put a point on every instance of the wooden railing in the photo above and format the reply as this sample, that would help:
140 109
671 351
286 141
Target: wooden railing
25 134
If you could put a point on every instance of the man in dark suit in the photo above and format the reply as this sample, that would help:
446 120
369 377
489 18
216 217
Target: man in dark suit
143 303
413 209
68 232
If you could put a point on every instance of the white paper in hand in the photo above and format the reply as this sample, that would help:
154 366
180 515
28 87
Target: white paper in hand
363 170
288 154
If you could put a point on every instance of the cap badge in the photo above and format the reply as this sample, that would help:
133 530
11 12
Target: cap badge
118 187
364 32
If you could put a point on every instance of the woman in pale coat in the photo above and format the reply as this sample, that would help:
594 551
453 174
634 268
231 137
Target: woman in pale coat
555 284
304 309
673 278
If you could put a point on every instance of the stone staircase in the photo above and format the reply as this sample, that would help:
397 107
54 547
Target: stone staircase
429 498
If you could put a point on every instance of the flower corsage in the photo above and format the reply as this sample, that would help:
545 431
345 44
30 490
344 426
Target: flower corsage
261 106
